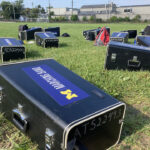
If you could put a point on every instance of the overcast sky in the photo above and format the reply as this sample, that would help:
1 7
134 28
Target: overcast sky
79 3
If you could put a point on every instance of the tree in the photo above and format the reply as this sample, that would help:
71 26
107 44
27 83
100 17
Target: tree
12 10
137 18
74 18
7 9
39 6
127 19
84 18
115 19
92 18
27 12
34 13
43 10
18 8
50 15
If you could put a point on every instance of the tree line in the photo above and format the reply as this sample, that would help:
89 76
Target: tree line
13 10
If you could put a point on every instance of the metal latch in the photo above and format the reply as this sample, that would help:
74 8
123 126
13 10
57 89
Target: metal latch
49 139
19 118
113 57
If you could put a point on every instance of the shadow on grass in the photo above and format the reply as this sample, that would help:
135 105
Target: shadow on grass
63 44
134 121
30 54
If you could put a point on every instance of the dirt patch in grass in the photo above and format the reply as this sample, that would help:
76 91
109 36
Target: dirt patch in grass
144 141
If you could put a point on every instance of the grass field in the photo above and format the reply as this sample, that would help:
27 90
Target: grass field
86 60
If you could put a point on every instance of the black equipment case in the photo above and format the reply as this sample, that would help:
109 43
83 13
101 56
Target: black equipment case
108 30
57 108
127 56
86 31
143 40
23 27
146 31
91 35
132 33
11 49
54 30
46 39
29 34
119 37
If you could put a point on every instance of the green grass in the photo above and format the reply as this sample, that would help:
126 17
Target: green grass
87 61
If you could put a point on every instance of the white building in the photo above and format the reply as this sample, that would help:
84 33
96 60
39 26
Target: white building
105 11
63 11
132 10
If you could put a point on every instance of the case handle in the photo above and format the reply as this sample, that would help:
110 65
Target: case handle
19 119
134 62
1 94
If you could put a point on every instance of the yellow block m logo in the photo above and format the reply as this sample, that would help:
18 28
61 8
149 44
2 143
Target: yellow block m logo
69 94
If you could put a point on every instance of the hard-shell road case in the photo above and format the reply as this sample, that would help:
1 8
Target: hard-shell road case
108 30
11 49
46 39
127 56
143 40
54 30
132 33
57 108
146 31
119 37
86 31
29 34
91 35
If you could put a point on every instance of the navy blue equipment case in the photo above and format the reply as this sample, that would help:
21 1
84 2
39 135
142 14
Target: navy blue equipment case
132 33
119 37
46 39
126 56
143 40
29 34
57 108
11 49
54 30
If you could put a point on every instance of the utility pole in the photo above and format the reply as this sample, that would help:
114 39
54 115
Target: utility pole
13 6
14 12
49 7
109 7
72 7
32 5
49 12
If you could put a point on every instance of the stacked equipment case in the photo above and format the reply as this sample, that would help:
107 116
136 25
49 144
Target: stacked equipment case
46 39
146 31
29 34
86 31
11 49
54 30
119 37
132 33
143 40
91 34
127 56
57 108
